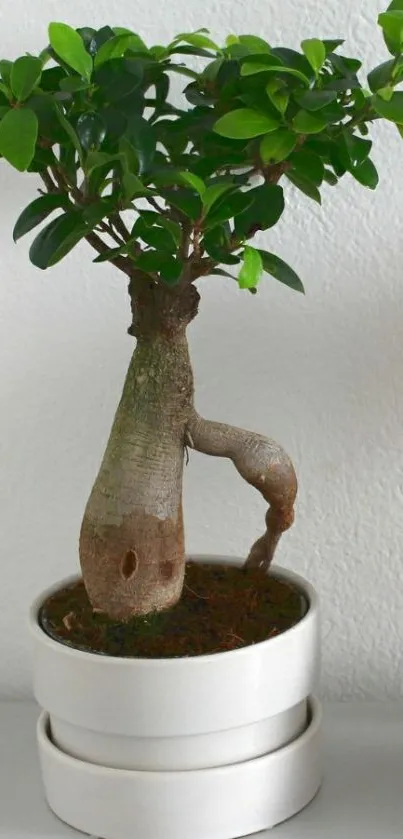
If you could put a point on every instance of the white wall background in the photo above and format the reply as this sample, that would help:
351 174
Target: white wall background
322 374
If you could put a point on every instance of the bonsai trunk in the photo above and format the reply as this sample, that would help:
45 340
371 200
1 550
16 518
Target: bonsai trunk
132 549
132 541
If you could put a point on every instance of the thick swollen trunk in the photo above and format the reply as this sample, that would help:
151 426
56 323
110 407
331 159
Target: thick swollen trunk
132 543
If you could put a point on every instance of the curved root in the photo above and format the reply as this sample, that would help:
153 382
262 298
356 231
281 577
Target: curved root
264 465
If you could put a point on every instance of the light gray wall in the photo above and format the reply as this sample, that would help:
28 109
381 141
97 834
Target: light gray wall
322 374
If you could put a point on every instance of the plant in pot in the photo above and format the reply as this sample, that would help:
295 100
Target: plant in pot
180 696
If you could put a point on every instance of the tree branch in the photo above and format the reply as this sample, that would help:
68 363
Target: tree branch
156 206
275 171
120 226
107 228
120 262
264 465
48 181
123 263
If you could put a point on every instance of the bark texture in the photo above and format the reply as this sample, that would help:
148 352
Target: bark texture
132 549
264 465
132 543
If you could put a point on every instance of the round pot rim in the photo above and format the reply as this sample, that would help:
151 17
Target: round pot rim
305 587
313 727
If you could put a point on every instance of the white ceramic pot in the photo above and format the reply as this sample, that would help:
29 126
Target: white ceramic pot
150 739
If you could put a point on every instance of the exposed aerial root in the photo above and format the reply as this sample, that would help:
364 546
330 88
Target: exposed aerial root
264 465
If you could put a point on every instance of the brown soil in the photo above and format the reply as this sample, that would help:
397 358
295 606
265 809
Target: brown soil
222 608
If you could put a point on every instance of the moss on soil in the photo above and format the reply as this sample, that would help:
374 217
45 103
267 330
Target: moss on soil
222 608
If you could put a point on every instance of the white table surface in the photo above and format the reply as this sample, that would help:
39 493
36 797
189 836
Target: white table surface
362 796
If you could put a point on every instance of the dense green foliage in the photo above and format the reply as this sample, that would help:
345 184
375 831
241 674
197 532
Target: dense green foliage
171 191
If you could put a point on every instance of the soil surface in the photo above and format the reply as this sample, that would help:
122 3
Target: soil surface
222 608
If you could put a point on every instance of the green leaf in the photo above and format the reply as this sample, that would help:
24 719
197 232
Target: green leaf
278 95
112 253
217 244
212 69
87 33
332 44
18 136
250 68
385 93
56 240
266 207
332 113
73 84
94 213
101 37
116 47
91 131
230 206
308 165
119 81
381 75
185 201
259 63
244 124
166 265
305 185
279 269
366 174
96 159
69 46
194 181
72 134
128 156
338 156
314 100
392 26
162 85
345 67
151 218
330 177
277 146
25 75
174 229
252 268
158 238
294 59
5 71
142 137
392 110
307 123
358 149
196 39
36 212
51 79
133 186
315 52
213 193
5 96
254 44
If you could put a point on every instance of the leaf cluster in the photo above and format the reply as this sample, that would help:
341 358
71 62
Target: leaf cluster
172 192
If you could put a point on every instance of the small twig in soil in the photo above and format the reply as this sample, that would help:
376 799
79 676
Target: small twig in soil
199 596
236 637
67 620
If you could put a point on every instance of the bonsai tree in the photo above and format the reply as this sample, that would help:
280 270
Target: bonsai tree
169 191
